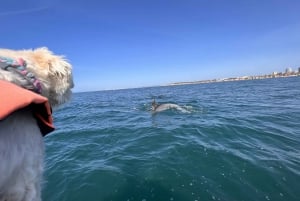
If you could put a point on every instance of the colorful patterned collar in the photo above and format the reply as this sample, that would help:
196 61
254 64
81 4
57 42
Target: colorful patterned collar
19 66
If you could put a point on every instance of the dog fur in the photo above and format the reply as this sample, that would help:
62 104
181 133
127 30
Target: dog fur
21 141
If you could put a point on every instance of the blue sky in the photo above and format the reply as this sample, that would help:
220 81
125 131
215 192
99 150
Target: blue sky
117 44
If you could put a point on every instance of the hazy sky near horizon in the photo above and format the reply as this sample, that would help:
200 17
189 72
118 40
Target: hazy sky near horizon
117 44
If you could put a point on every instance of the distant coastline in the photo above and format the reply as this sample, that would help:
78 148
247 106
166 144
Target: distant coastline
288 73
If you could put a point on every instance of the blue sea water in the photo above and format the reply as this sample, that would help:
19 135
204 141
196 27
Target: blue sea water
234 141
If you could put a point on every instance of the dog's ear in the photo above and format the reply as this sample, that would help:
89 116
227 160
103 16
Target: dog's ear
42 56
56 65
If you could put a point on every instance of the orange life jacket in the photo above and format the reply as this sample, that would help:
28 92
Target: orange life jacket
13 98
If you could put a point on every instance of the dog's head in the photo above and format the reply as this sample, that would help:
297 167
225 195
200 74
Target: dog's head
54 73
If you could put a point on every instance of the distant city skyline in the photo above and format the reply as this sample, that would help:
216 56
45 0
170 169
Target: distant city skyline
287 73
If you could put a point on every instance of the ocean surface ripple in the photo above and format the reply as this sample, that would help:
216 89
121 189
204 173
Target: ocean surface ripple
238 141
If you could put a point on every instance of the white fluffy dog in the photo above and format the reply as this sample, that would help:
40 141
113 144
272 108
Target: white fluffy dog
21 140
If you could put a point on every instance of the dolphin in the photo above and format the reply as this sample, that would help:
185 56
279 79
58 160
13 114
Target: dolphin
166 106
